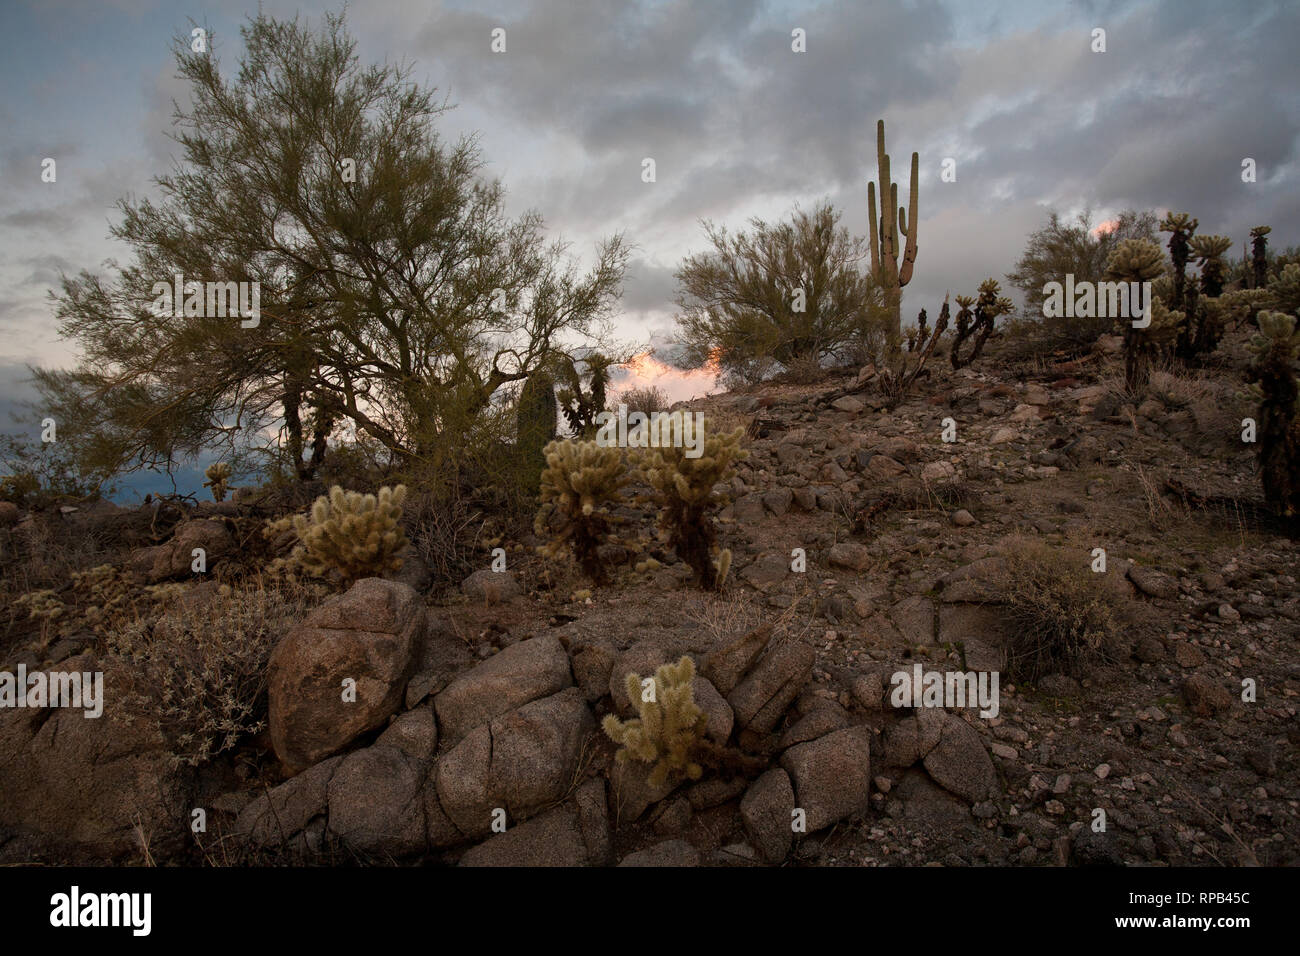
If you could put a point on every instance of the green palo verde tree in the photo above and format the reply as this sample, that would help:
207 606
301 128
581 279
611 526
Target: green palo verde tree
397 298
786 292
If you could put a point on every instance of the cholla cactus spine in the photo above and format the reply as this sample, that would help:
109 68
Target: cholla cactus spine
349 533
218 475
670 727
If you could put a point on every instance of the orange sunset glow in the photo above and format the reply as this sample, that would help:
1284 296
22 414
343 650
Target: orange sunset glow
645 371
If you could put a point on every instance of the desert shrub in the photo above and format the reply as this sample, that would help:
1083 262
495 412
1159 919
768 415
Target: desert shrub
445 532
581 481
777 293
1062 616
348 535
670 728
683 488
645 400
198 672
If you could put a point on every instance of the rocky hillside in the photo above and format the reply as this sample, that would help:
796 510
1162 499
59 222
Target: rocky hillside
1145 711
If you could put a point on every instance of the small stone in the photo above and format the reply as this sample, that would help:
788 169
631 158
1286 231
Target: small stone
1102 771
963 518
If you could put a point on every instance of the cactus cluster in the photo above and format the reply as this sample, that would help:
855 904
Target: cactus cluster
670 728
895 379
684 489
885 230
977 324
579 484
1276 349
581 407
218 475
347 534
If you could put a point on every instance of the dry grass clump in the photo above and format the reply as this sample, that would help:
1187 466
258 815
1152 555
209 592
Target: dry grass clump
198 671
1063 617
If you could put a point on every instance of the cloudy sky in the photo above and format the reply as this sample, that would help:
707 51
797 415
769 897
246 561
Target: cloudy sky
738 124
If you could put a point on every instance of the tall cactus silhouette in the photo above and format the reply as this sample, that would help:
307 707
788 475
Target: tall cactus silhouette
1259 256
885 264
536 417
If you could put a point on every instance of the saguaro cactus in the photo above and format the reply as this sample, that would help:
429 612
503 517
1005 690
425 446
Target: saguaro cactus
885 231
535 425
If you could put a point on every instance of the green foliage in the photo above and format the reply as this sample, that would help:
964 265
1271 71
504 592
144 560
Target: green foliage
783 293
885 230
535 422
395 303
683 488
39 475
348 534
1276 350
1059 249
670 728
579 484
218 475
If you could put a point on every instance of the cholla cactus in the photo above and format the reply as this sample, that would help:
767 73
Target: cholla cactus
1259 256
670 729
218 475
684 487
581 480
349 533
1141 344
1277 348
1182 227
1135 260
1209 251
978 325
1284 289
